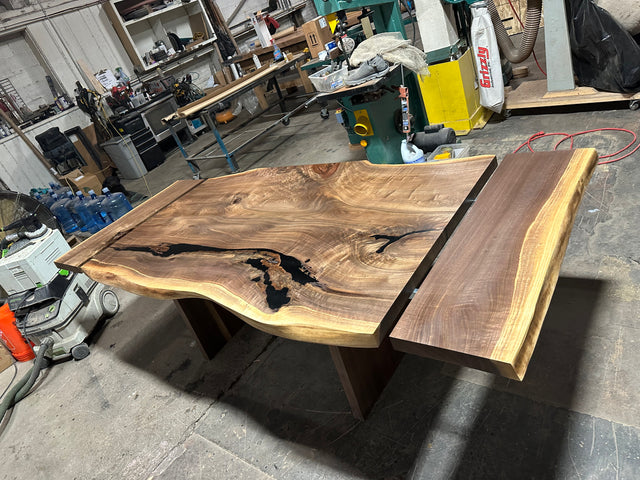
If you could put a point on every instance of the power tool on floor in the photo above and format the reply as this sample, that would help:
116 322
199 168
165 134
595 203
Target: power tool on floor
48 302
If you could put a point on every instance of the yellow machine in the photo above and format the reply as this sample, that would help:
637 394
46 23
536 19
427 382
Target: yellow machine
451 95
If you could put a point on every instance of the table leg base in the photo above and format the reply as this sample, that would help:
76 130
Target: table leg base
212 325
364 372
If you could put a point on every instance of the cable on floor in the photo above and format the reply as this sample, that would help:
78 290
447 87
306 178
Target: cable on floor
572 136
15 374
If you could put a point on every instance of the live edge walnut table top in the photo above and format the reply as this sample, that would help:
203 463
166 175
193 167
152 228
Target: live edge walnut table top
325 253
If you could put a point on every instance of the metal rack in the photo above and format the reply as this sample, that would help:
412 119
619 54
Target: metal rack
11 99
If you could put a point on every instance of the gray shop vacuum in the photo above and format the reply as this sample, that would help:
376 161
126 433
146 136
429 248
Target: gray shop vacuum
49 302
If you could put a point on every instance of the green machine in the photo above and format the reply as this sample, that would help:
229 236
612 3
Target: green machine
371 113
385 14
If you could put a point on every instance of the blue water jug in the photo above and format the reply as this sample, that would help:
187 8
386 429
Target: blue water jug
116 204
80 209
94 204
62 214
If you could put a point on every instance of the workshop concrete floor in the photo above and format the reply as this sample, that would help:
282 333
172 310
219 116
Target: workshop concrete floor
146 404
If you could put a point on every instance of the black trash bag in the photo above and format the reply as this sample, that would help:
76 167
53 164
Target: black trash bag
227 49
605 55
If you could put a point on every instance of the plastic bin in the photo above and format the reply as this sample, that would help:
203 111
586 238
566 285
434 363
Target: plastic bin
324 81
124 154
456 150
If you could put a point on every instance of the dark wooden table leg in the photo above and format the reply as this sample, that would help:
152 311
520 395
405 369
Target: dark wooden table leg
364 372
211 324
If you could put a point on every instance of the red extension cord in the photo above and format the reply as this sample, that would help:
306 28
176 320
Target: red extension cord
567 136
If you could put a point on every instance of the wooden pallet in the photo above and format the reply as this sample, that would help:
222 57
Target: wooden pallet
534 94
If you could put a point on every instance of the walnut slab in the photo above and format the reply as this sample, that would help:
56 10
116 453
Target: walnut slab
483 303
324 253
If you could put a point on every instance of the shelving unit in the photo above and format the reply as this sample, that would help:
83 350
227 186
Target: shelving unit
139 35
164 11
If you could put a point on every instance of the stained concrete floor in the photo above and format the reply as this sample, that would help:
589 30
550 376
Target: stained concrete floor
146 404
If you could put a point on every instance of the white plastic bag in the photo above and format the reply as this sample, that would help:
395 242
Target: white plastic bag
487 59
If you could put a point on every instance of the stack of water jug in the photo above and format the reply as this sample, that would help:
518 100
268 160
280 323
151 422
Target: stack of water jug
84 214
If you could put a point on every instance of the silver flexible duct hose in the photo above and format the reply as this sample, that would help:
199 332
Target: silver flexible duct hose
531 26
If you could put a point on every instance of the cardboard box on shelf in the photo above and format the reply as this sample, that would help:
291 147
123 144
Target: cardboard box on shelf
198 25
317 32
100 170
91 167
90 133
88 182
78 180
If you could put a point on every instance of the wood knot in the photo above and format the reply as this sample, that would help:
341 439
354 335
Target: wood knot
325 169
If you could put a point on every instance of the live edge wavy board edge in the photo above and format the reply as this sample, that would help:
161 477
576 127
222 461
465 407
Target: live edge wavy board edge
324 253
483 303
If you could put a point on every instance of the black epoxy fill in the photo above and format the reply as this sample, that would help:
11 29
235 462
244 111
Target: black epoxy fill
276 298
395 238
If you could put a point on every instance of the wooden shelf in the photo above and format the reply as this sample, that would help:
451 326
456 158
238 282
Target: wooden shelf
175 6
140 35
179 59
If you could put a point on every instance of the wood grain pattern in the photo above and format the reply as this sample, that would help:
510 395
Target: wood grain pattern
364 372
323 253
483 303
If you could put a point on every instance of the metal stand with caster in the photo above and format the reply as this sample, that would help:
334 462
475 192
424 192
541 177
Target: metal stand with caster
324 113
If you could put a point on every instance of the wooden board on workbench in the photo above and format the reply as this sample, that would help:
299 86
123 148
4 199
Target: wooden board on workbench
292 39
222 93
217 91
483 303
323 253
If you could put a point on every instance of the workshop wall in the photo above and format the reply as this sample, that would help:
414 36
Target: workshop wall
21 66
20 169
36 46
16 14
509 20
55 38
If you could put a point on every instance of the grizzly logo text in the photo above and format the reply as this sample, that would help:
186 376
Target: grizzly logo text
483 58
